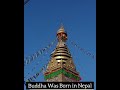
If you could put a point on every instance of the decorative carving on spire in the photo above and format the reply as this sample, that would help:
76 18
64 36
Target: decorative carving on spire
61 34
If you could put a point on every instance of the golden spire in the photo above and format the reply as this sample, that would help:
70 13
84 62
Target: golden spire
61 34
61 29
61 67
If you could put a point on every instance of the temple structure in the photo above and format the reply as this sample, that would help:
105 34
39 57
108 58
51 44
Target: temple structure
61 67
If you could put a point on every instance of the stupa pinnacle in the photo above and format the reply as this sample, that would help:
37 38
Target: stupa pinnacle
61 67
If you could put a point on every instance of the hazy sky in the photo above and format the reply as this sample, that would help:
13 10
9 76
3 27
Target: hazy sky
42 19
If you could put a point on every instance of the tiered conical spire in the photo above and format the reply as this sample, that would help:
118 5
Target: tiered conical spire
61 67
61 29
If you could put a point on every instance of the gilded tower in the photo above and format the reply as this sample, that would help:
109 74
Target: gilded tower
61 67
